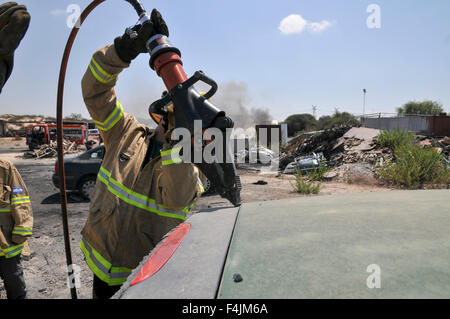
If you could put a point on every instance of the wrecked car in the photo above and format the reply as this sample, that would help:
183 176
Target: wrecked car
305 163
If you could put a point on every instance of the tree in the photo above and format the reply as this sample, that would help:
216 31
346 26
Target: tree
300 122
338 118
426 107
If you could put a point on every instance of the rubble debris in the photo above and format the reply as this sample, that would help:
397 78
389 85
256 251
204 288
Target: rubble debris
313 142
440 144
372 157
445 141
424 143
358 146
362 133
352 151
330 175
339 145
354 173
344 148
51 150
359 139
444 144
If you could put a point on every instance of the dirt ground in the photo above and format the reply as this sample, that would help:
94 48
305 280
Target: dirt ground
45 270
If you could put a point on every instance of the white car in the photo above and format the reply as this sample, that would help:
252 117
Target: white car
266 156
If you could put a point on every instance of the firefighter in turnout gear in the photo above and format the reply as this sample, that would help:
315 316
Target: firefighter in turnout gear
16 223
143 188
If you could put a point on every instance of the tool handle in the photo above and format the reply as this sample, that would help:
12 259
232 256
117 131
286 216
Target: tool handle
200 76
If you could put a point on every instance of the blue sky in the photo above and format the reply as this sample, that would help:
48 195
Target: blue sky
408 58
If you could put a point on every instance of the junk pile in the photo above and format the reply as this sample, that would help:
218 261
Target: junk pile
358 146
51 150
442 145
311 142
334 147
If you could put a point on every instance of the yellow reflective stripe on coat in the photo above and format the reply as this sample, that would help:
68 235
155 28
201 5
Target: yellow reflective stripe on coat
171 156
200 184
102 268
136 199
112 119
100 74
5 210
23 231
20 200
11 251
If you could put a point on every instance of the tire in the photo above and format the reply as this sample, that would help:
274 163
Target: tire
207 186
86 186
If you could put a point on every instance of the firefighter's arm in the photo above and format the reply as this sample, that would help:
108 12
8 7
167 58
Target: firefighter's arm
20 208
179 183
99 95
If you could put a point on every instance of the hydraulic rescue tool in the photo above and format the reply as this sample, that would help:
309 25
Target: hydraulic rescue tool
188 106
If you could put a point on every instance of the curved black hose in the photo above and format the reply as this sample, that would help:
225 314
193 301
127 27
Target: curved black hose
137 5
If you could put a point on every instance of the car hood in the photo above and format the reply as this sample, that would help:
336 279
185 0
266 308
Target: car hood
69 158
307 247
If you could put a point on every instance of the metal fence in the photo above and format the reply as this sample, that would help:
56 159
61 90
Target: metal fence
419 124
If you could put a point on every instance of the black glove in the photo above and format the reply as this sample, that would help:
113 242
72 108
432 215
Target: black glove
129 47
14 22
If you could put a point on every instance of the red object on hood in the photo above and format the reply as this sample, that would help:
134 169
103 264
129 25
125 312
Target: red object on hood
161 255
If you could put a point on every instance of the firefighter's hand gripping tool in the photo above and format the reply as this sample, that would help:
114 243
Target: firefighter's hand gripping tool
188 106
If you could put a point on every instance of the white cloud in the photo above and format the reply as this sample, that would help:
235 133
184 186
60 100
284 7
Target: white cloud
319 26
293 23
57 12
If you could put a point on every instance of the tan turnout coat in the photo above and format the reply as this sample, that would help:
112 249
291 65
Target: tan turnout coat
132 206
16 216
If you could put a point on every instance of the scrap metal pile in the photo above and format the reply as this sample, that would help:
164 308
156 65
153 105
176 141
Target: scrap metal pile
357 145
346 147
311 142
440 144
336 146
51 150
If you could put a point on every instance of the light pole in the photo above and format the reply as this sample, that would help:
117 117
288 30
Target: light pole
364 105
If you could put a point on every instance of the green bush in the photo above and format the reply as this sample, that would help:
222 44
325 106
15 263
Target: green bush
305 184
394 139
318 173
415 166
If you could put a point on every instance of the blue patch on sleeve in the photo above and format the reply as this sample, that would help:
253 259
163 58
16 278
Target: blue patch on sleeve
17 190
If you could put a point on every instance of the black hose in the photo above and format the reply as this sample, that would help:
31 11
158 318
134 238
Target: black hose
137 5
